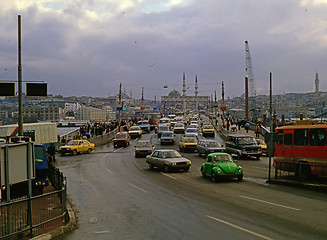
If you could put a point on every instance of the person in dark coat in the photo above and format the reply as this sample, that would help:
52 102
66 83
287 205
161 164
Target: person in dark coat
52 152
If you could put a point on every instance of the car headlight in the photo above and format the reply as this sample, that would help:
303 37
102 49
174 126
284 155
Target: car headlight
190 162
218 170
68 149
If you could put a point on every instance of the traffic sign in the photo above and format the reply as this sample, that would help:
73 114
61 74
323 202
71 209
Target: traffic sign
119 108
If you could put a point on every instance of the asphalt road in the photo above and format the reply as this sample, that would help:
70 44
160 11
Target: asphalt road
117 197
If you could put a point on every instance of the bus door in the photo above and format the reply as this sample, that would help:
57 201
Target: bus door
318 151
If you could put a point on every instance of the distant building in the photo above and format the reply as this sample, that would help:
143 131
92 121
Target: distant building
175 100
46 112
90 113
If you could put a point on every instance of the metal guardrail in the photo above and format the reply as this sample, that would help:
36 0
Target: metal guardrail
30 216
299 172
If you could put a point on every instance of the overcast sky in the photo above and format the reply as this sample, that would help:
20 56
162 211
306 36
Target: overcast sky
88 47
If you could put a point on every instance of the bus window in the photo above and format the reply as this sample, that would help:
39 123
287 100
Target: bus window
288 139
280 137
301 137
317 137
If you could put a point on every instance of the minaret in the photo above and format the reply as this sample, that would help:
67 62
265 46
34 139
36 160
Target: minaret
184 95
196 95
317 84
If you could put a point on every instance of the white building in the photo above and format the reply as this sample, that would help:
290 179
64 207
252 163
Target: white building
90 113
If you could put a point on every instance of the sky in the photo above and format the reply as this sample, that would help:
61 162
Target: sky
89 47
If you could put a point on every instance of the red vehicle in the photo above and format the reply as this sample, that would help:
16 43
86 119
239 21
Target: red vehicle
302 149
121 139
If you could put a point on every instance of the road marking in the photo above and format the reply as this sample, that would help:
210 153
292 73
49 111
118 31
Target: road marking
167 175
239 228
102 232
118 149
274 204
109 170
259 167
138 188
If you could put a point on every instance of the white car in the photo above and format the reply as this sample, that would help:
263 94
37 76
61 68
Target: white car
135 131
191 132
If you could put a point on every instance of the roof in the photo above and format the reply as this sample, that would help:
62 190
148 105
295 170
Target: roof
208 140
302 126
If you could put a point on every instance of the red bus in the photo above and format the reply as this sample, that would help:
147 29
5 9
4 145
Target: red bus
302 149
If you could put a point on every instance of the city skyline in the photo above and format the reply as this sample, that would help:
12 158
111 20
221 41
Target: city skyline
87 48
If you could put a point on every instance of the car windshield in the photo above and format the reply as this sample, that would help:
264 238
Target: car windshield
164 128
190 140
72 143
134 128
172 154
144 144
167 134
208 127
121 135
164 121
212 144
191 130
179 125
247 140
260 141
223 158
142 123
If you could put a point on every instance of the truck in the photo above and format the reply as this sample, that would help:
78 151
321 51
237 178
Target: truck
14 171
43 133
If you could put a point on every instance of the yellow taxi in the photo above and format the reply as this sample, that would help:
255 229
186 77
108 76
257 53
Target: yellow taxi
187 144
262 144
208 129
77 146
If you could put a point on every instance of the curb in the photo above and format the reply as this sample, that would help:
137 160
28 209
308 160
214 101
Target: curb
70 226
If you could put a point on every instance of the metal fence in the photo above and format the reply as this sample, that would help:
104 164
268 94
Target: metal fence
301 172
30 216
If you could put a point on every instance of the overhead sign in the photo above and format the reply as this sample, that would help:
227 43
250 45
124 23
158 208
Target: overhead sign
36 89
7 89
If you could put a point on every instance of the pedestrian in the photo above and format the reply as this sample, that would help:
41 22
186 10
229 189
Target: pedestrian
257 130
52 152
247 126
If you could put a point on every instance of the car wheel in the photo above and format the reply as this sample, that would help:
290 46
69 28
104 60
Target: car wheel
75 152
202 172
89 150
166 168
151 166
240 178
258 157
213 177
186 169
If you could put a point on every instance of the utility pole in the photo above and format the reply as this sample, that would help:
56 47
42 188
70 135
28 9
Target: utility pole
223 103
246 99
196 95
20 80
271 128
142 107
184 95
215 105
121 106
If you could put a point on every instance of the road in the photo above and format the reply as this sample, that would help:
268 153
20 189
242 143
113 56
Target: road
117 197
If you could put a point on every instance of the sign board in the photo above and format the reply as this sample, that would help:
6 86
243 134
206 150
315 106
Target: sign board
18 155
36 89
142 108
7 89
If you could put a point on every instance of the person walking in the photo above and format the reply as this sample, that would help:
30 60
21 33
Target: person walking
257 130
52 152
247 126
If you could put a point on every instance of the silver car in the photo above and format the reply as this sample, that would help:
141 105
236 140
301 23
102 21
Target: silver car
168 159
143 148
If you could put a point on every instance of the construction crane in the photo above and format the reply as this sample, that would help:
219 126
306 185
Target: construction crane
249 74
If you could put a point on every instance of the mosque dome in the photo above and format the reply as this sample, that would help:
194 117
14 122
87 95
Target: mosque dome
174 93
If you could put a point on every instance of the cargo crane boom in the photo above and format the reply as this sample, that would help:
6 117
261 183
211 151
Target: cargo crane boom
249 74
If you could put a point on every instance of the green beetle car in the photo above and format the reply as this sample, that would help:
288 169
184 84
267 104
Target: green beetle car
221 165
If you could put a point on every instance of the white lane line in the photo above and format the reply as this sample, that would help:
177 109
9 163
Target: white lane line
259 167
274 204
167 175
239 228
118 149
102 232
138 188
109 170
